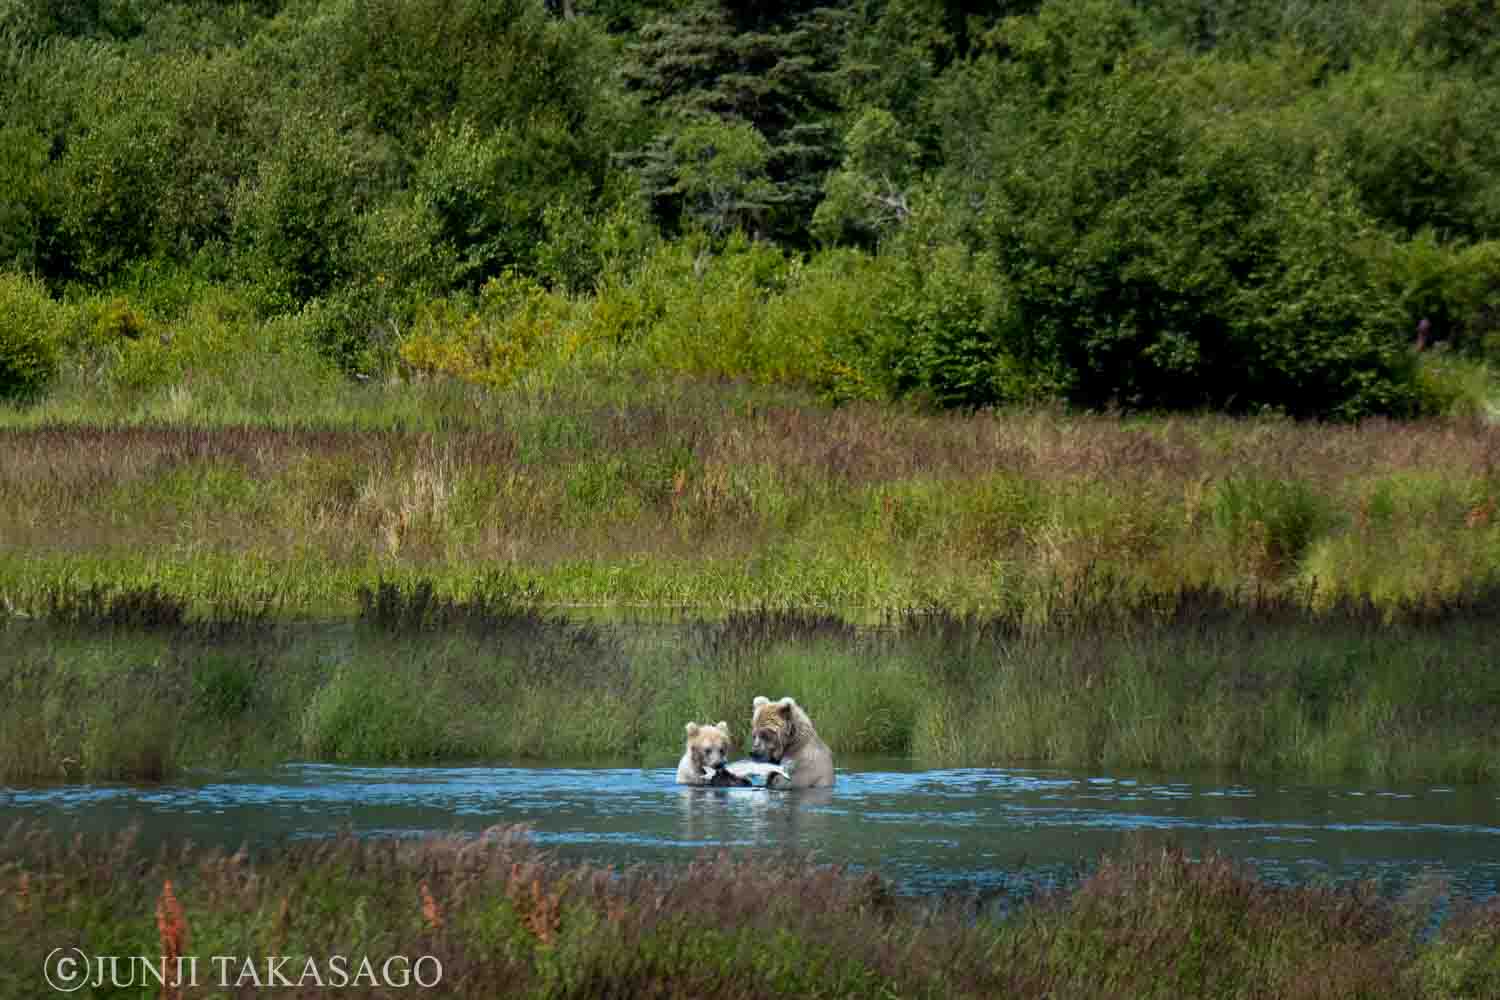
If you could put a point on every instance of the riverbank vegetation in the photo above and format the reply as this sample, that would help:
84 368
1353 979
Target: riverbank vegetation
498 916
129 685
687 494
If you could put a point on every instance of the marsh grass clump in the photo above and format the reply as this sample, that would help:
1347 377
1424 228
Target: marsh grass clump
950 627
69 724
503 613
521 693
1269 522
1463 958
497 602
763 626
1264 682
102 605
505 918
1262 693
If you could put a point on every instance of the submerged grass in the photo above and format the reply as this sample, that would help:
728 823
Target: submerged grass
1255 684
498 917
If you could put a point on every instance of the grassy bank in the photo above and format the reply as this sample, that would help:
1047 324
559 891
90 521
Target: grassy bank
132 685
689 493
1171 592
499 918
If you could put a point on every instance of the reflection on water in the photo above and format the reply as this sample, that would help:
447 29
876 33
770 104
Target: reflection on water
929 830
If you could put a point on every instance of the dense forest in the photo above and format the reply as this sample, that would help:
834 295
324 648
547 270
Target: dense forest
1240 205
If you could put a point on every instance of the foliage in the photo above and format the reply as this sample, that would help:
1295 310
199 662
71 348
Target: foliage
416 65
948 334
516 326
1179 205
296 219
721 174
761 69
1158 261
28 338
870 194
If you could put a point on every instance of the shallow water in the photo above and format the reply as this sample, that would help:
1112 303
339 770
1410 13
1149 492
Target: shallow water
1005 831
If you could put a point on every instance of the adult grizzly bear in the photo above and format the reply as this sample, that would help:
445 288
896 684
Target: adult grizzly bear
781 733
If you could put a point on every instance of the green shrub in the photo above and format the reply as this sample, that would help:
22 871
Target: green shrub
711 317
868 197
414 64
490 191
1456 386
585 243
296 219
515 327
1416 146
1473 296
1312 331
23 160
1455 288
951 333
111 175
827 319
28 332
1152 256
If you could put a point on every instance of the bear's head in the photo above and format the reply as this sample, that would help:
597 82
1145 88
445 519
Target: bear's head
709 745
775 729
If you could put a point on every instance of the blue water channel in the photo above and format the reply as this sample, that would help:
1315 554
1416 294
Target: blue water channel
1000 831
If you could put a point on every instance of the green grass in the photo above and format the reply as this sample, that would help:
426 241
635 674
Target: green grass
686 493
130 684
500 917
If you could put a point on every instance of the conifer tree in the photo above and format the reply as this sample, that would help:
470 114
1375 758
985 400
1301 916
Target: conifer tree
763 64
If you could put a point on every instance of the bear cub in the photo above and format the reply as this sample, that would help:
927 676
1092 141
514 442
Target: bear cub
707 753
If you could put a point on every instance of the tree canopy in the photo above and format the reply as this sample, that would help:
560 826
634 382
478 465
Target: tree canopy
1146 205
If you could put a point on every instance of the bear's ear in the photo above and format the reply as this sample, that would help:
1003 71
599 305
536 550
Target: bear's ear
724 728
692 729
760 700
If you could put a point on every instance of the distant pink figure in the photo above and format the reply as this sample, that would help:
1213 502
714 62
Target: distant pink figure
1423 329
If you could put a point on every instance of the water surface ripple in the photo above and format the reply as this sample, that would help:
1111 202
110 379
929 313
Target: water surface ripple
960 829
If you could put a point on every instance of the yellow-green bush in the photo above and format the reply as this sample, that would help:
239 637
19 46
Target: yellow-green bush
516 326
215 337
1456 386
29 322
